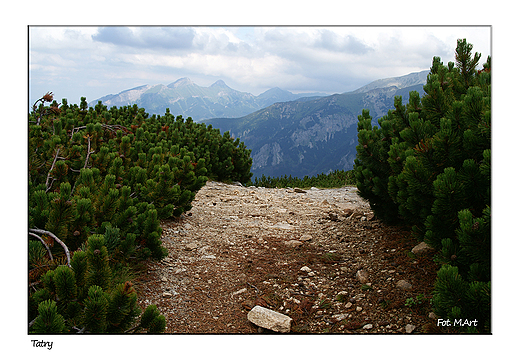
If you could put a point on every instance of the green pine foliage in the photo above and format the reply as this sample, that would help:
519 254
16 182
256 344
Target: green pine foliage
89 166
49 321
334 179
428 165
100 181
82 299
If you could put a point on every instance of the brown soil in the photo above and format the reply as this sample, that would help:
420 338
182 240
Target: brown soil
233 251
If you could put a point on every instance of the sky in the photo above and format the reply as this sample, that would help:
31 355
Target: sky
93 61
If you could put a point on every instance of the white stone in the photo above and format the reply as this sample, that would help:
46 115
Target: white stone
362 276
368 326
306 237
404 285
339 317
191 246
422 248
293 243
269 319
306 269
409 328
283 226
239 292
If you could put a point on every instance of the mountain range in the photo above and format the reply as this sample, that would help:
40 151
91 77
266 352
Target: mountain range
184 97
288 134
317 135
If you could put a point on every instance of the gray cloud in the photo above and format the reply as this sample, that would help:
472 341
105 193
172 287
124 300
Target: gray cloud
147 37
330 40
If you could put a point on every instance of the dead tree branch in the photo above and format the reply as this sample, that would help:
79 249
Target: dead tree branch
45 98
88 152
112 128
44 244
47 186
45 232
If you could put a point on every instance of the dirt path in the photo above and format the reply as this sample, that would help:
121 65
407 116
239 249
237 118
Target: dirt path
318 256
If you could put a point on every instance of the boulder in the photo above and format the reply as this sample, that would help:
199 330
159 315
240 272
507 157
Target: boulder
269 319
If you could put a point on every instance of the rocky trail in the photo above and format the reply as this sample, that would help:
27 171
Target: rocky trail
318 256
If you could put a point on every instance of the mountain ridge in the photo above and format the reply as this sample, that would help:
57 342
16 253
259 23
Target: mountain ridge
184 97
306 138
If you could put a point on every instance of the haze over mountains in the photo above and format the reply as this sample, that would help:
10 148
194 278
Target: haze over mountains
184 97
288 134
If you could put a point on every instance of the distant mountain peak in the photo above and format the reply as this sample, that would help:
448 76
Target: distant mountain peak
181 82
276 91
416 78
220 83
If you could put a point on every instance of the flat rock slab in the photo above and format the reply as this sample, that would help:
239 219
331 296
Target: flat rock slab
269 319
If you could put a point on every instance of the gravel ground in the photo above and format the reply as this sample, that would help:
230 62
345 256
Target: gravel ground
318 256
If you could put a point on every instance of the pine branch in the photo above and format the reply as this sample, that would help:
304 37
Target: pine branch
45 232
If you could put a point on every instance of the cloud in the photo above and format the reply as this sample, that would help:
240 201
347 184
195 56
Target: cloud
251 59
147 37
331 41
